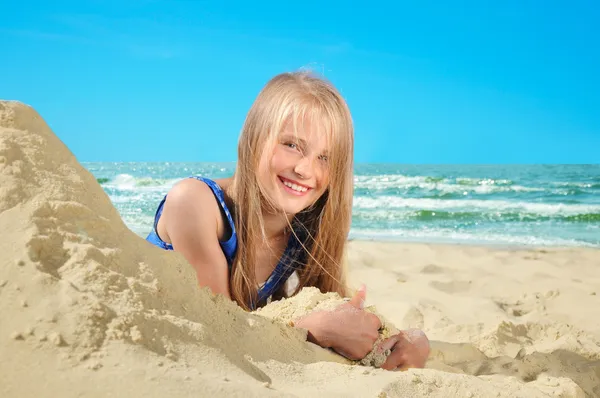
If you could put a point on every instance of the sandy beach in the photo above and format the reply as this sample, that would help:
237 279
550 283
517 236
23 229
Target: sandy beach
91 309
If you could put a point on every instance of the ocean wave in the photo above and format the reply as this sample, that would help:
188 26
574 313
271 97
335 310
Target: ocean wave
440 189
131 200
127 182
400 179
394 202
470 216
483 181
575 184
453 236
441 184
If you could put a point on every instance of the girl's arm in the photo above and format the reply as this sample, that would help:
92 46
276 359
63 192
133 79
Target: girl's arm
191 220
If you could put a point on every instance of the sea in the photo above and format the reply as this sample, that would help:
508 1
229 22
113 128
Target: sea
514 205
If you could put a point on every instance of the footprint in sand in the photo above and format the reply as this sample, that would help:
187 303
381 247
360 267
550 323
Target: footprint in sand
432 269
468 359
529 302
400 277
529 350
452 286
432 315
413 319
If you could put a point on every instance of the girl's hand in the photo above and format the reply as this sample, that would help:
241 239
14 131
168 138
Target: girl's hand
410 349
349 330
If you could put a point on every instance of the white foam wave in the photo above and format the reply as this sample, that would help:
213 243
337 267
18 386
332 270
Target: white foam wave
391 180
483 181
122 181
122 199
394 202
479 186
127 182
453 236
574 184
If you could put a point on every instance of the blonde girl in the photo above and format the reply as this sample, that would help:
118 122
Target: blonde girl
281 222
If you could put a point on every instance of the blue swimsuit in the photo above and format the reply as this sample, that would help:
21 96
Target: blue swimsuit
293 254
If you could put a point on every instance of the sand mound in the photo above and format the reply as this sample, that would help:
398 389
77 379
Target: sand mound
89 308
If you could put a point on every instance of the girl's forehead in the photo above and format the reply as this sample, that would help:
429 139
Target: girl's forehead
311 130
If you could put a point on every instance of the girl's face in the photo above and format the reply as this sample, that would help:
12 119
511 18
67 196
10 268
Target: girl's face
297 173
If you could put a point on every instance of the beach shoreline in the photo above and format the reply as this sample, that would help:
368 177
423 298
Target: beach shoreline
488 245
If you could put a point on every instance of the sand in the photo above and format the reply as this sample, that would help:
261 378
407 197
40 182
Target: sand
90 309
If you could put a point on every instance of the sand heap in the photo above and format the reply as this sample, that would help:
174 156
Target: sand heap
89 308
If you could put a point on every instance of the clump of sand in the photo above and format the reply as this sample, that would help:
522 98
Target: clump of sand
89 308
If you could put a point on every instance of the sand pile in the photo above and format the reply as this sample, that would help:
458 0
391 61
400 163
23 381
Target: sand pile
91 309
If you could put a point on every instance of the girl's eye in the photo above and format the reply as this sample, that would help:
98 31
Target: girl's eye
291 145
324 158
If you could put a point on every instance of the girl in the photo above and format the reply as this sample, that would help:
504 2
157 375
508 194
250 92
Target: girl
281 222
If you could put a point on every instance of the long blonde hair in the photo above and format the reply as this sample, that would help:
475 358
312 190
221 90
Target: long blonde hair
326 223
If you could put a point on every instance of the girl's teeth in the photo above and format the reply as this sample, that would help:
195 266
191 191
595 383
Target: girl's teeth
294 186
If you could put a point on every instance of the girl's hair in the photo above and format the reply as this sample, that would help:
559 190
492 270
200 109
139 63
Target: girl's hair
295 97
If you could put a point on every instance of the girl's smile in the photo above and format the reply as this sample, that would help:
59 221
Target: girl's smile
294 187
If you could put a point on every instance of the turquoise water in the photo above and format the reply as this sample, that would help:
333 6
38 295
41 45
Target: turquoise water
545 205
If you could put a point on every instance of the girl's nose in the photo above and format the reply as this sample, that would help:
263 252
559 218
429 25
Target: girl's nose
304 167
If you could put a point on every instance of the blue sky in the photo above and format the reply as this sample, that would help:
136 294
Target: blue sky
427 82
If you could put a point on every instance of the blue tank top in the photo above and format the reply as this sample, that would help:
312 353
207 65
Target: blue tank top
291 260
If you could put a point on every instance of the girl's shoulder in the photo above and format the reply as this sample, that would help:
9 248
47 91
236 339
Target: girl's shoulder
192 192
197 198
